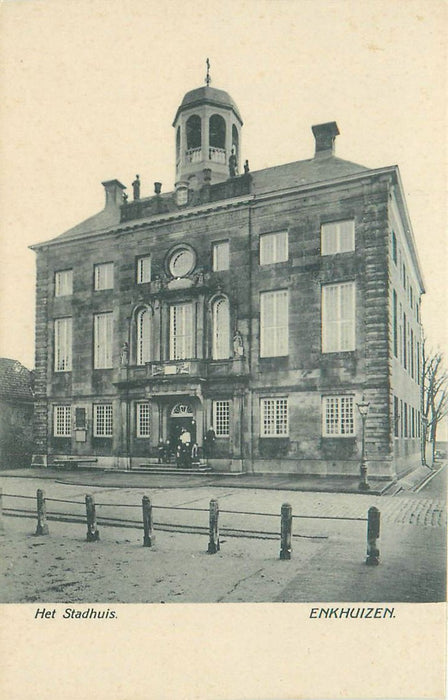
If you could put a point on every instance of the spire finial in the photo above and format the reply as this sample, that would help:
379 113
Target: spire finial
208 79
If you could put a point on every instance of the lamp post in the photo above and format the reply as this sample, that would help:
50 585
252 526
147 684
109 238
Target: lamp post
363 408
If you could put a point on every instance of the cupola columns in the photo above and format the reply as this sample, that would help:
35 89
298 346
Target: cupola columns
207 132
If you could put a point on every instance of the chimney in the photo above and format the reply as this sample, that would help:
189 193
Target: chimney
114 193
325 135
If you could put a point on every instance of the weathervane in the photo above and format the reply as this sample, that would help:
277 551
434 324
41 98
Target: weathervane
208 80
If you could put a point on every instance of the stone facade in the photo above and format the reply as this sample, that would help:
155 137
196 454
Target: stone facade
290 410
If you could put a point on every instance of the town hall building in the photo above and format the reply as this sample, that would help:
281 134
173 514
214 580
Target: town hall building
262 306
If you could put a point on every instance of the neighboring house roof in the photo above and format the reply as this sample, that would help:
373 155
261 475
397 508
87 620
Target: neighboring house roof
15 381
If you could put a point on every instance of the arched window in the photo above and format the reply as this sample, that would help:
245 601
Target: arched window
217 131
194 132
143 344
221 329
178 143
235 142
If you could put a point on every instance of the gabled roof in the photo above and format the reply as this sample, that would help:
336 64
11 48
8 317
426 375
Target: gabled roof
303 172
278 177
15 381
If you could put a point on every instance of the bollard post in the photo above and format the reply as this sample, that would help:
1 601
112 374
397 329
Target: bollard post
42 527
1 509
286 531
92 531
148 531
373 532
213 543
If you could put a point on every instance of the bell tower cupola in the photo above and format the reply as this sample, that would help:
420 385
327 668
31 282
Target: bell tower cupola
207 135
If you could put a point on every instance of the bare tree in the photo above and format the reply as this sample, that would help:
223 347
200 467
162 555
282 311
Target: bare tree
434 397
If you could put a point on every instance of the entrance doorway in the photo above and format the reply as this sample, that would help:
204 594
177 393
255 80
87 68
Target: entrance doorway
180 417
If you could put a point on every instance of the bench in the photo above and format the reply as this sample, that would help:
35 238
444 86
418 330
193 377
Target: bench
73 461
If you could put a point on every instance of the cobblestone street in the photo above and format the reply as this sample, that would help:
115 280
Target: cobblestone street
328 559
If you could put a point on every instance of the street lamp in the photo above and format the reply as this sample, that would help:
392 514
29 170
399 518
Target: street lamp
363 408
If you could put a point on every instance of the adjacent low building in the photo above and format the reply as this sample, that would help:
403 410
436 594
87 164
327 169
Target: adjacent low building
16 414
263 304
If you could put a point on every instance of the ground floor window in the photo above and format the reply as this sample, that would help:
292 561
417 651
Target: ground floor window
338 416
274 417
62 421
102 420
143 420
221 418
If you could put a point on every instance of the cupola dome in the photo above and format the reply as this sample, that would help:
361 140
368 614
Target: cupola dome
208 132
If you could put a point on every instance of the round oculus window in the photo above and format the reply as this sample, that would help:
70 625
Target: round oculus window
181 262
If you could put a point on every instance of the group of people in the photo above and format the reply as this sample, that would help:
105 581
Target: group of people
185 451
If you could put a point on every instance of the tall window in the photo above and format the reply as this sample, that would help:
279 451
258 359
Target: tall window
405 343
220 254
274 323
417 353
63 283
62 421
395 322
63 345
396 418
144 269
337 237
221 418
143 336
338 317
221 329
181 331
274 417
273 247
143 420
394 248
104 276
102 420
338 419
102 340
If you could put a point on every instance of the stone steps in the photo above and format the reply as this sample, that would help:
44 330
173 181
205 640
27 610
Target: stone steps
172 469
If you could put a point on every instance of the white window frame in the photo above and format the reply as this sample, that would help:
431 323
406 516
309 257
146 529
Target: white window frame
335 240
63 344
62 420
103 340
221 256
144 269
103 276
274 417
143 336
103 420
274 331
221 417
335 420
63 283
182 340
221 329
143 419
338 322
274 247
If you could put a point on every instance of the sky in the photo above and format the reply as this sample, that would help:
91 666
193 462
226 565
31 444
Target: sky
89 91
